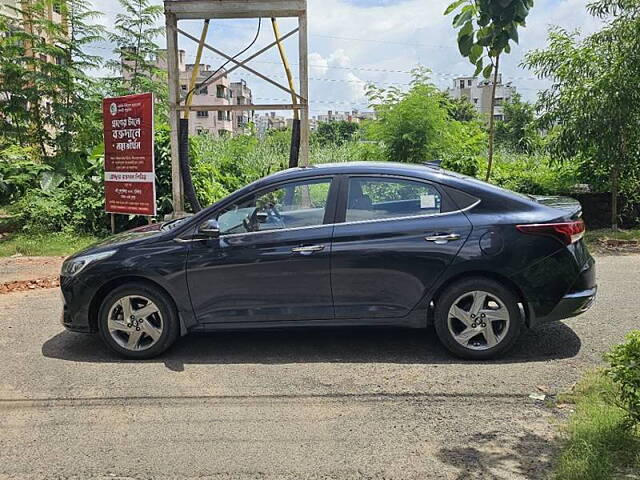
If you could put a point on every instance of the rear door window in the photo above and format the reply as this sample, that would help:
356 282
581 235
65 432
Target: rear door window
373 198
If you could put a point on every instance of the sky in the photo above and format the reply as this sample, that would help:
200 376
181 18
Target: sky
356 42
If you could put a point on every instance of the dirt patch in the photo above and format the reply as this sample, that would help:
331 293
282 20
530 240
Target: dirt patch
25 269
24 285
612 246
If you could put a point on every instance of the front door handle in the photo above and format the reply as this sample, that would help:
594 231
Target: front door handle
443 239
308 250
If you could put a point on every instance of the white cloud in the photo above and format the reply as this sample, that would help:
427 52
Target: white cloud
355 42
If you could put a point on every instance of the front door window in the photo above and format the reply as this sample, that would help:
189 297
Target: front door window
293 205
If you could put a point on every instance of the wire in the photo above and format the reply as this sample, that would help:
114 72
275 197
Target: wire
253 42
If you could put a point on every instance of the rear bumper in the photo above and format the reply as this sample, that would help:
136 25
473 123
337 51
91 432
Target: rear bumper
578 299
571 305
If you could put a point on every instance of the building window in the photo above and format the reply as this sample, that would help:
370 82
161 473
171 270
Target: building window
202 131
220 115
469 82
475 101
220 91
461 83
203 114
203 90
183 88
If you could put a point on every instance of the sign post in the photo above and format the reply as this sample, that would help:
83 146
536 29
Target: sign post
129 186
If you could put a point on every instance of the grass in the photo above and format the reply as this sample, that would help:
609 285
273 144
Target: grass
597 446
53 244
607 233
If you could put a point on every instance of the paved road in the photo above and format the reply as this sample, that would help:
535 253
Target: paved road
328 404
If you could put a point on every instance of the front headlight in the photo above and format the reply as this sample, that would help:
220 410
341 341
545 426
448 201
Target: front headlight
75 265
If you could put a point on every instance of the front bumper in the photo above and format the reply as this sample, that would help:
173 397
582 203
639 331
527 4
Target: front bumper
75 306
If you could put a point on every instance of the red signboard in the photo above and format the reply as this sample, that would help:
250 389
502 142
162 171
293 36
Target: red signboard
130 186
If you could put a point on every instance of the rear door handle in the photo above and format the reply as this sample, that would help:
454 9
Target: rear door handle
308 250
443 239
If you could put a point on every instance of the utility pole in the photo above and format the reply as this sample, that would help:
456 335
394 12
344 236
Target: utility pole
208 10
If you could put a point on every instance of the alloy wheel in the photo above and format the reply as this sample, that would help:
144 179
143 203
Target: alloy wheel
135 322
478 320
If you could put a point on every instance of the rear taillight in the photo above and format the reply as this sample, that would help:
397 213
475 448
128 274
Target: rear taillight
566 232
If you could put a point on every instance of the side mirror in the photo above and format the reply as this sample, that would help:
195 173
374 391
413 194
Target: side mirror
210 229
262 217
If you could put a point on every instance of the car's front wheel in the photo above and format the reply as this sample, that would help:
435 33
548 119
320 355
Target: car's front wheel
478 319
138 321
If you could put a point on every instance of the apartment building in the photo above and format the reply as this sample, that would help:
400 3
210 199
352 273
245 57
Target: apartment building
478 92
269 121
354 116
241 95
20 10
222 92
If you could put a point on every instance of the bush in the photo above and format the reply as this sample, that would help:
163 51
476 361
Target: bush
18 173
596 442
624 369
532 174
77 205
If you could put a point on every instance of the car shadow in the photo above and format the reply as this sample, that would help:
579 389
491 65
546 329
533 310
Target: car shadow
329 345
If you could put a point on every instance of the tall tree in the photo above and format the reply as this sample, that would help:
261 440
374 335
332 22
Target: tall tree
46 94
485 29
416 126
78 96
135 35
593 105
518 130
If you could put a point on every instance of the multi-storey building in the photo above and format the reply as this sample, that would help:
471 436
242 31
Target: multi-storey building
241 95
221 92
478 92
269 121
354 116
24 13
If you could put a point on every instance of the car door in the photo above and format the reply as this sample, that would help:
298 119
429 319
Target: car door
394 238
272 260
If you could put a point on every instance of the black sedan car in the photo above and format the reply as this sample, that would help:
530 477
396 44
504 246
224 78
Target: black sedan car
352 244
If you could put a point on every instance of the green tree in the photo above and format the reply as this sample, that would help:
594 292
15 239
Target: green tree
518 131
46 95
459 109
135 35
27 89
415 126
485 29
336 133
78 100
592 108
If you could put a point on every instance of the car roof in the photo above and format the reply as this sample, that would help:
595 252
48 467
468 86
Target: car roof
426 171
429 172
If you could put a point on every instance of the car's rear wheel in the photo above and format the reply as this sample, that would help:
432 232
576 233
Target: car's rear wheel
138 321
478 319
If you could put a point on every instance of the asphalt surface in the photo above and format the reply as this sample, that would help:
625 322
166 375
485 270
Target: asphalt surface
306 404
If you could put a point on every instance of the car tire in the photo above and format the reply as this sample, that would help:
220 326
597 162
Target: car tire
477 328
150 329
